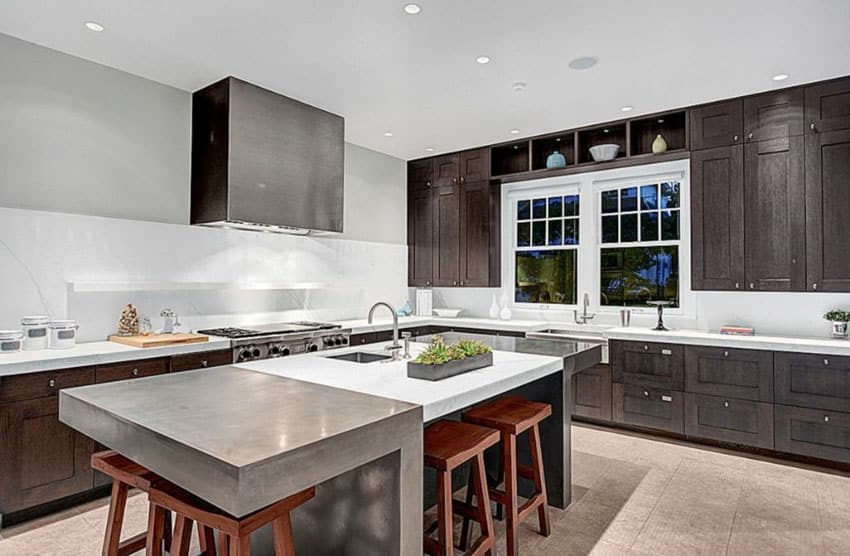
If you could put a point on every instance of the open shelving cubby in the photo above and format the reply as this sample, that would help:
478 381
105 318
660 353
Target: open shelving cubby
542 147
601 135
510 158
671 126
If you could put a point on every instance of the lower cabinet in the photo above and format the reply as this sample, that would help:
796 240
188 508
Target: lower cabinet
744 422
813 432
592 393
816 381
649 407
735 373
202 360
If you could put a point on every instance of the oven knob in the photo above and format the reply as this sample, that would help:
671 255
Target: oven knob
312 347
329 341
284 352
255 352
338 341
274 351
244 355
344 341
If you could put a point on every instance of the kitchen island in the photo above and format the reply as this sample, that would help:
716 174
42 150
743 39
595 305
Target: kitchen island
242 439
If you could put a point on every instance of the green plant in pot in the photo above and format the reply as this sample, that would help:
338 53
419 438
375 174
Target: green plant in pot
439 353
839 320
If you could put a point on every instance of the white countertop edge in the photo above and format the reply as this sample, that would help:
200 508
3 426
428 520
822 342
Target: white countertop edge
823 346
362 326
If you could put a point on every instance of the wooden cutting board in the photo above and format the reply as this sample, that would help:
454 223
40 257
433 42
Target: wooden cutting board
159 340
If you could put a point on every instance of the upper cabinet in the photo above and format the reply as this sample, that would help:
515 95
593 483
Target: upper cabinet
717 125
447 170
773 115
475 166
420 174
827 106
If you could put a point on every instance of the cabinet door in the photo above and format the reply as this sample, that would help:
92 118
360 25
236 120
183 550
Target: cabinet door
131 369
420 237
475 166
475 234
827 208
41 459
828 106
420 174
773 115
446 170
774 215
816 381
717 219
446 243
203 360
813 433
648 363
649 407
735 373
363 339
742 422
592 393
717 125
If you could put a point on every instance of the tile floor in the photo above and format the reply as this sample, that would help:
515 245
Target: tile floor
633 495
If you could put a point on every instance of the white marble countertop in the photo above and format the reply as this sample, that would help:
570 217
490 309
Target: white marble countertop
94 353
383 322
707 338
390 380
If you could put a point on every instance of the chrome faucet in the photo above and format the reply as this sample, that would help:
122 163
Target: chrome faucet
585 316
395 347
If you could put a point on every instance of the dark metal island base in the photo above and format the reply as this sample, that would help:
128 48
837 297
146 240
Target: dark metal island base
242 440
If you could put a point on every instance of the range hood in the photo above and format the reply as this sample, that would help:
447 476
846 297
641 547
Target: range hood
263 161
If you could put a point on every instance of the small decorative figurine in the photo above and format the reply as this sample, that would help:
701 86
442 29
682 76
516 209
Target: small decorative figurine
129 323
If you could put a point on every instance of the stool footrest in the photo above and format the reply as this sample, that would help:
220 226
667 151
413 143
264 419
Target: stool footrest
529 506
525 471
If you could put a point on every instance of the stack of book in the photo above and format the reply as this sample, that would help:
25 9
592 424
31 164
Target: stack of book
736 330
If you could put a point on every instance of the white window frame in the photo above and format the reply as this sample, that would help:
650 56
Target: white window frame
589 187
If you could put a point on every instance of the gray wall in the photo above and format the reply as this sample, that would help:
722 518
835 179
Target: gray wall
79 137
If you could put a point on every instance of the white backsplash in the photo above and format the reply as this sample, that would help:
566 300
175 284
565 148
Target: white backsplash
42 254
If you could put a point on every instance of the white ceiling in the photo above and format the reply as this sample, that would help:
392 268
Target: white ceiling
416 75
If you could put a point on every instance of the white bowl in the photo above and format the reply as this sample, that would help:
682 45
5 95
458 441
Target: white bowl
604 152
447 313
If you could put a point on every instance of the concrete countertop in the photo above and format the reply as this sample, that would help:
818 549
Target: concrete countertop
823 346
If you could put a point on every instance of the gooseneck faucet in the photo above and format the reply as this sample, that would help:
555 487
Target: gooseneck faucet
585 316
395 347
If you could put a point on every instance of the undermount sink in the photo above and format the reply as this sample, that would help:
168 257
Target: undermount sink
360 357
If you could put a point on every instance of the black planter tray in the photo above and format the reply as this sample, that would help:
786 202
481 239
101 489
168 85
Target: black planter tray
452 368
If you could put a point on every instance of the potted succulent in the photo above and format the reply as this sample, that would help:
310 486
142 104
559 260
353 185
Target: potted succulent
441 361
839 320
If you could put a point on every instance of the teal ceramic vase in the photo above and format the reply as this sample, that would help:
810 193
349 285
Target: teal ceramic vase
556 160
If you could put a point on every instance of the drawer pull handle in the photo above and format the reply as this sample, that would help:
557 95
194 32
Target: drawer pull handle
645 348
51 383
667 399
204 363
645 394
135 372
826 361
725 354
725 404
826 418
666 352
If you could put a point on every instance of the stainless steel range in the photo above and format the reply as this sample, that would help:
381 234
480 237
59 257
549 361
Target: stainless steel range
266 341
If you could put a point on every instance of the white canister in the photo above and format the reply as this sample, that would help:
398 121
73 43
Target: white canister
35 332
10 341
63 334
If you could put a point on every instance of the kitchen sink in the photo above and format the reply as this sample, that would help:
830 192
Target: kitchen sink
360 357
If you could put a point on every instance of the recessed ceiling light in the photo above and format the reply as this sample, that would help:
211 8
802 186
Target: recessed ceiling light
606 130
781 77
429 149
514 132
483 59
412 9
94 26
583 63
388 134
627 108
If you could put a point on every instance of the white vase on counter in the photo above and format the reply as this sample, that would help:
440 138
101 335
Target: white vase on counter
494 308
505 313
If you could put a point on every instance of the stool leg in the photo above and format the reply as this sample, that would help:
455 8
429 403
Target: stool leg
511 517
117 505
283 542
206 540
465 531
153 546
444 511
223 544
539 480
182 536
166 529
481 492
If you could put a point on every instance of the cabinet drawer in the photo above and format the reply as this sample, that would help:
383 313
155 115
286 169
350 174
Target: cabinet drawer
201 360
592 393
362 339
733 373
42 385
816 381
131 369
745 422
650 407
813 433
648 363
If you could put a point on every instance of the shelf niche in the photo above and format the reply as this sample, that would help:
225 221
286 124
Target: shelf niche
671 126
542 147
511 158
602 135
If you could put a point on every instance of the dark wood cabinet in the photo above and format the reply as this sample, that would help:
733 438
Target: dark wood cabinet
446 170
478 250
475 166
717 219
592 393
773 115
420 237
717 125
648 407
420 174
827 106
446 229
648 363
363 339
735 373
813 433
744 422
775 226
814 381
827 208
202 360
132 369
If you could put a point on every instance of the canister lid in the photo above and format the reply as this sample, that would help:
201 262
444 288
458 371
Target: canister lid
11 335
34 321
63 324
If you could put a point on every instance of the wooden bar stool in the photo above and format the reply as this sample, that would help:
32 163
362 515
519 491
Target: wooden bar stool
234 534
448 445
511 416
